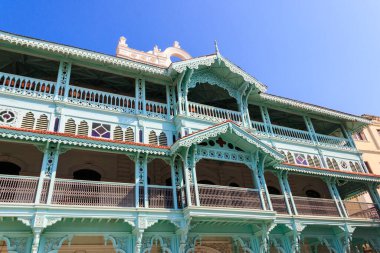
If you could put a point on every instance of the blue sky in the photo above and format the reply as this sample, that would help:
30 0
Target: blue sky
322 52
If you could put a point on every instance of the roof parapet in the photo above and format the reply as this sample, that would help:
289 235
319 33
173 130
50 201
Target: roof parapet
156 56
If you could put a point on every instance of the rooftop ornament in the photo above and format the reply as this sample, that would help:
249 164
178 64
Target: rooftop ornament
155 57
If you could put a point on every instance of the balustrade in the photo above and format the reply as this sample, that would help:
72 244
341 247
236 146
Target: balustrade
259 128
18 189
207 112
160 196
100 99
231 197
316 206
156 110
279 204
333 141
361 210
90 193
26 86
294 134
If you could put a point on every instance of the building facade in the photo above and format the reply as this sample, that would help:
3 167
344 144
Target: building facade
161 152
368 142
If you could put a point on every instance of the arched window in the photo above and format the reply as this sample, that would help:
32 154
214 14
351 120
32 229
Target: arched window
290 158
118 134
129 135
205 182
87 174
273 190
312 194
28 121
70 126
9 168
83 128
153 138
352 166
163 139
42 123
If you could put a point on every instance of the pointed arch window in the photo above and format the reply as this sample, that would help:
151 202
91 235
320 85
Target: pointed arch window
329 163
290 158
129 135
153 138
163 139
28 121
83 128
70 126
118 133
42 123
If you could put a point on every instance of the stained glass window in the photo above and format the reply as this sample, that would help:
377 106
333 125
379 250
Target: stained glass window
300 159
101 130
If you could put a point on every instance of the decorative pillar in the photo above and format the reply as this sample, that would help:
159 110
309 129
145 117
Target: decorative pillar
190 177
63 80
245 90
266 119
48 170
333 189
141 180
296 229
284 180
348 135
257 167
174 177
374 194
171 103
140 96
280 175
310 129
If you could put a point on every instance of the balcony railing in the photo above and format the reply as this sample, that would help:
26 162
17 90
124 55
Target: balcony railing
332 141
26 86
361 210
100 99
16 84
18 189
231 197
294 134
160 196
211 113
316 206
90 193
279 204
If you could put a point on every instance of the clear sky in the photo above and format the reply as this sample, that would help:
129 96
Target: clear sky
322 52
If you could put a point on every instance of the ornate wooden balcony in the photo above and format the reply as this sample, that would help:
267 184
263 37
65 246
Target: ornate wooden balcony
212 113
21 85
230 197
362 210
296 135
68 192
316 206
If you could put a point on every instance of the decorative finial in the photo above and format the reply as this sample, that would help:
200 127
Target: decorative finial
216 47
176 44
123 40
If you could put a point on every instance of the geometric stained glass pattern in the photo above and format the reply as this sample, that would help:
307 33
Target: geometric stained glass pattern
101 130
300 159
